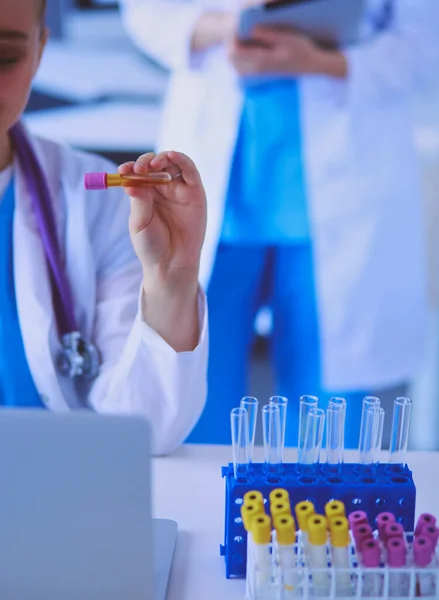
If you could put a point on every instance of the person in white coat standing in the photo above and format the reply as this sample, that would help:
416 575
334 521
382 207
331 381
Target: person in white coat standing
119 274
312 179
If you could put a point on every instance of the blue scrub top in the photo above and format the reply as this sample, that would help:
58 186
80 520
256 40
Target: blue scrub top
17 388
266 201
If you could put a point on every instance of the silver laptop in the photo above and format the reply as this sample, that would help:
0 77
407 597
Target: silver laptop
75 509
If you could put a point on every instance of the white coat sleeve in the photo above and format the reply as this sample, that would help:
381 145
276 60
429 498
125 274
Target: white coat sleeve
163 29
140 373
401 59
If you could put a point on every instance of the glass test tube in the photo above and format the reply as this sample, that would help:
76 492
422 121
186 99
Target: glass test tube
240 441
282 403
335 425
378 442
251 406
400 430
366 442
315 422
272 433
307 403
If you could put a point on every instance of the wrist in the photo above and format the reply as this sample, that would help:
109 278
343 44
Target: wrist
333 64
170 307
181 283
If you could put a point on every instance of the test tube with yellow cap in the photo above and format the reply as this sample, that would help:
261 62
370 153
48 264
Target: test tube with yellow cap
254 497
286 550
304 510
334 509
279 495
260 541
316 554
340 555
249 511
279 509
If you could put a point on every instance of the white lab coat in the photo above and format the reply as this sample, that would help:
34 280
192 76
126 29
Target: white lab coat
140 373
362 174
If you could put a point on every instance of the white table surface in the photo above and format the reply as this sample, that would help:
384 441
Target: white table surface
188 488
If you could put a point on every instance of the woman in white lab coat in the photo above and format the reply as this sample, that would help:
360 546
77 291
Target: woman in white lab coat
144 315
366 319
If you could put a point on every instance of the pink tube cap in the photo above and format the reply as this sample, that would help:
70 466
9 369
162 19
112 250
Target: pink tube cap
362 533
95 181
422 551
393 530
396 552
382 520
359 517
432 533
424 519
371 555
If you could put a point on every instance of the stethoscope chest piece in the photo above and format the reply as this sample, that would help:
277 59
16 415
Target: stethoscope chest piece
77 358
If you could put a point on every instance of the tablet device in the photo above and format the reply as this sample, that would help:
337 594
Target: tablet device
333 23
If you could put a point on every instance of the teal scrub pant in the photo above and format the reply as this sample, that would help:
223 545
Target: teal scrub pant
245 278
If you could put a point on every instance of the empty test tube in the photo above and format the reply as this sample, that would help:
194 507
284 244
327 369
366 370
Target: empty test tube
250 404
240 442
368 430
282 403
335 428
272 432
400 430
307 403
378 439
312 445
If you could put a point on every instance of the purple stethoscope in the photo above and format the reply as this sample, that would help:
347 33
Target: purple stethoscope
76 358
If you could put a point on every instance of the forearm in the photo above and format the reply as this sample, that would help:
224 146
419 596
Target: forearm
212 29
171 309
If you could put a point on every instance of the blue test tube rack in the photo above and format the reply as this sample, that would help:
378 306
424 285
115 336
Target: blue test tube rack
381 488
